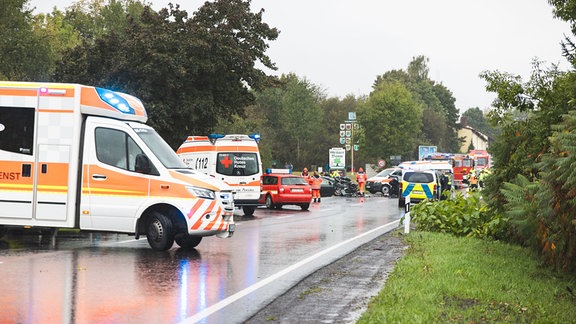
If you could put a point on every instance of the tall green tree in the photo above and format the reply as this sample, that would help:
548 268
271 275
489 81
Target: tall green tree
190 72
391 121
24 54
439 113
294 114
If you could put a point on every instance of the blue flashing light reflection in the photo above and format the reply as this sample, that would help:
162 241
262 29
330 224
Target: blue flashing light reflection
183 289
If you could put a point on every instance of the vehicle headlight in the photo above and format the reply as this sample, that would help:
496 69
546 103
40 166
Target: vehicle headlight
201 192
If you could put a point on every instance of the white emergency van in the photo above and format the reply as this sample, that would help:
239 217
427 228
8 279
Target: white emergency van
75 156
232 158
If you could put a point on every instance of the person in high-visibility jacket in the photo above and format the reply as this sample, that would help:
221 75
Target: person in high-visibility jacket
316 183
473 181
361 179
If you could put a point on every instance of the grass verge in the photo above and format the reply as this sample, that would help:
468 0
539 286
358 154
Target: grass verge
443 278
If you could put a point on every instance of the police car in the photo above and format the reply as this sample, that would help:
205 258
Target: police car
419 185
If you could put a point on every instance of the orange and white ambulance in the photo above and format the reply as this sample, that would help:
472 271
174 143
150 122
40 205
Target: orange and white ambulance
75 156
232 158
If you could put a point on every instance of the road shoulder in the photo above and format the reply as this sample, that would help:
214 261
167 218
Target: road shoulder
339 292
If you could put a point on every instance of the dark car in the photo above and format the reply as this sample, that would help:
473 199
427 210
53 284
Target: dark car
328 187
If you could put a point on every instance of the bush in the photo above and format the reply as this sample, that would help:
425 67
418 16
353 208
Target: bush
462 215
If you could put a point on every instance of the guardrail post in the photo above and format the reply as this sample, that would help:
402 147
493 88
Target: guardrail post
407 214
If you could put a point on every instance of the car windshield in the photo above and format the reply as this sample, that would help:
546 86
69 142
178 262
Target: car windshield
293 181
160 148
418 177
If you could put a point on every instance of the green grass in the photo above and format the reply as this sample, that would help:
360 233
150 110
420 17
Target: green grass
443 278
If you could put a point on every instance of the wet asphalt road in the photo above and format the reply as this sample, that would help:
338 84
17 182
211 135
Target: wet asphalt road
102 278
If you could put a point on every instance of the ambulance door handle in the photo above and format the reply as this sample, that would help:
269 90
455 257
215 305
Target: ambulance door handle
26 170
242 182
98 177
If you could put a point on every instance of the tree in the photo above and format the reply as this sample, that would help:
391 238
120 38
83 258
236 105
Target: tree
391 121
24 54
476 119
440 113
190 72
294 115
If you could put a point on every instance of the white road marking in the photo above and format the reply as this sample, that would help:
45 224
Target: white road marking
225 302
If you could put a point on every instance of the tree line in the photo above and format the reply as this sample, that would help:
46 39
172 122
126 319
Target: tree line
199 74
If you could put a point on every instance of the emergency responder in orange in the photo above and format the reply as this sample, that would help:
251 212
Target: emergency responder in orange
361 179
316 183
305 173
473 181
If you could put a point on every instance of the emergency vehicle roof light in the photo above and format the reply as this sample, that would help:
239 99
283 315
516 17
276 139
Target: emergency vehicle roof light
214 137
115 100
255 137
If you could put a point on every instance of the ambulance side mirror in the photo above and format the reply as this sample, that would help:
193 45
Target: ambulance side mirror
143 165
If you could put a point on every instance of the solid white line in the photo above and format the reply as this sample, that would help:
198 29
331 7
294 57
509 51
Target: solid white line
225 302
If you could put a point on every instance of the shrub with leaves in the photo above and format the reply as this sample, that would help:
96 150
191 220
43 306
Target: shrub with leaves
461 215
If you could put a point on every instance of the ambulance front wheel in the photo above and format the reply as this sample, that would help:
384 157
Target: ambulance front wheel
159 232
186 241
248 210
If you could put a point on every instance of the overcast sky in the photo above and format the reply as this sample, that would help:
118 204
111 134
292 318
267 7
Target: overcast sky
343 45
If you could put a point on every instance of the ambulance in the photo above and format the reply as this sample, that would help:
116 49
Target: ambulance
232 158
76 156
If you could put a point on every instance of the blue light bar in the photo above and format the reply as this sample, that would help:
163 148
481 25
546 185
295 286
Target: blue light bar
255 137
215 136
116 101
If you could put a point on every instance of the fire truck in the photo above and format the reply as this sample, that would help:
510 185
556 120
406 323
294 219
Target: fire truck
481 159
462 164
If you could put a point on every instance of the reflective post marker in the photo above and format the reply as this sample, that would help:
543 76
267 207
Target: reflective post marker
407 214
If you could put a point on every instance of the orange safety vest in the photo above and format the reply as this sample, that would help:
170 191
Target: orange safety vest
316 183
473 179
361 177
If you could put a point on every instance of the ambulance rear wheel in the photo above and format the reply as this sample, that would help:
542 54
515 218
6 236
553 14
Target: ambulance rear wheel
159 232
248 210
186 241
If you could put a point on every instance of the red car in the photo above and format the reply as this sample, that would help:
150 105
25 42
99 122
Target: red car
279 189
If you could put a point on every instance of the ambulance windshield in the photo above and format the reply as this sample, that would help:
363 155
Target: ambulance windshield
161 149
237 164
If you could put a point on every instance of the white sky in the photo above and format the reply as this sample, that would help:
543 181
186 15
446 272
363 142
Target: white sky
343 45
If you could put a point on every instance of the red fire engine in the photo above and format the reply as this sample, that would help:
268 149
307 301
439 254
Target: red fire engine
462 164
481 159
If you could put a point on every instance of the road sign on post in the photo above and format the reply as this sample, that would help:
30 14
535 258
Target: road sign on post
337 158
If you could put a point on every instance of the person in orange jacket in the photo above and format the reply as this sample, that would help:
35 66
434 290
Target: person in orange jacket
316 183
361 179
